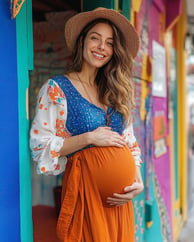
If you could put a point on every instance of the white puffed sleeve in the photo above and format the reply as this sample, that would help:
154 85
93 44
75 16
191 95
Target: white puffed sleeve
129 136
48 130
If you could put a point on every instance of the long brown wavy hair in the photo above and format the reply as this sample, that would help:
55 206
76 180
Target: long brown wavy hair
114 79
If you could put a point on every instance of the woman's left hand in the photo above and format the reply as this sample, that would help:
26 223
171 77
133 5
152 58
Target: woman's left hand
130 192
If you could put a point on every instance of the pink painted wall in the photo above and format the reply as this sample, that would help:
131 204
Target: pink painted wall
149 19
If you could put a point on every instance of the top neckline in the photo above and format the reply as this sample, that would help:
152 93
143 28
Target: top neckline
109 109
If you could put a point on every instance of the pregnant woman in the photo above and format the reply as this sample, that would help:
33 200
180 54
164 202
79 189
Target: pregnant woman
83 126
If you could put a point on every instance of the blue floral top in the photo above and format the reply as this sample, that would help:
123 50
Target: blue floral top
62 112
84 116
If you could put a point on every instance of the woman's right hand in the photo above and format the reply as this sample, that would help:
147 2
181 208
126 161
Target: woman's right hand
104 136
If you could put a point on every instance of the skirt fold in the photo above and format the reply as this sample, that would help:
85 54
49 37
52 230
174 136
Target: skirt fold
84 216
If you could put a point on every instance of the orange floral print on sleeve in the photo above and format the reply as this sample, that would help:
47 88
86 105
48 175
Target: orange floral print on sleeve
57 167
59 124
41 106
61 130
61 112
35 131
43 169
54 153
55 93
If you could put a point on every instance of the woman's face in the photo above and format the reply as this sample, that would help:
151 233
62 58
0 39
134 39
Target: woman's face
98 45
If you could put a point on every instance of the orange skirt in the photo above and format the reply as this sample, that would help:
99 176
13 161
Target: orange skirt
90 177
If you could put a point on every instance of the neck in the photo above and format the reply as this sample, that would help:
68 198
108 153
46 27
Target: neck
88 75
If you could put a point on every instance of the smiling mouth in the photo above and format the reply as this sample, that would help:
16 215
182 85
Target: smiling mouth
98 55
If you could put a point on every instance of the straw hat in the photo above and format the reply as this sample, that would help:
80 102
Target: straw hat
75 24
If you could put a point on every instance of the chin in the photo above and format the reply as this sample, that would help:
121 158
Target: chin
99 65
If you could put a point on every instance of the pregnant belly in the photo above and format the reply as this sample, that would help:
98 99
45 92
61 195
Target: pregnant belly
111 169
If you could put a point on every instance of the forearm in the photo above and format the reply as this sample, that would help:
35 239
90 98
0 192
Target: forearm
75 143
102 136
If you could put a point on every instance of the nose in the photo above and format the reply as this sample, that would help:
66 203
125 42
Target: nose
101 45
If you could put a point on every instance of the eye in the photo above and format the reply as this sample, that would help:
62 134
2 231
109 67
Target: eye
110 43
94 37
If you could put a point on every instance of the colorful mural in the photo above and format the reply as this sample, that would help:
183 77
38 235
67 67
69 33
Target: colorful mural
164 216
153 113
139 202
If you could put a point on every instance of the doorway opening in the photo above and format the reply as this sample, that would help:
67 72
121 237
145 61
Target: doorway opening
50 58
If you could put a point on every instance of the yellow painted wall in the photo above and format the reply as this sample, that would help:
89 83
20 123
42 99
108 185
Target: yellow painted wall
182 141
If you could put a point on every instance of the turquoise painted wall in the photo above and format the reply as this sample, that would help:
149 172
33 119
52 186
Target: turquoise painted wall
175 119
9 173
126 6
89 5
24 64
153 233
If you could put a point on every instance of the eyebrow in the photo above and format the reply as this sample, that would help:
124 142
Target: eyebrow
100 35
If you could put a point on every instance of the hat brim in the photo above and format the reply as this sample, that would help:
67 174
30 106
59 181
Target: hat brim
75 24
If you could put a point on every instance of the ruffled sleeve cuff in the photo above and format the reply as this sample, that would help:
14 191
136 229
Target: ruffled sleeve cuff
130 138
52 153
